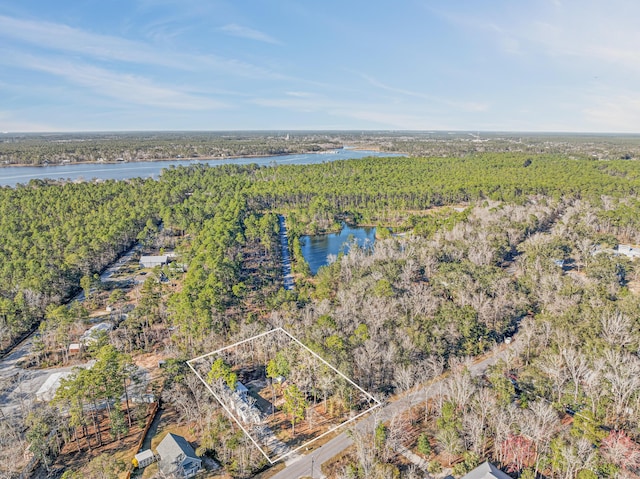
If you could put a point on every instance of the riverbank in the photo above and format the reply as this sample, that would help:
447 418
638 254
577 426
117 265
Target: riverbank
193 158
153 169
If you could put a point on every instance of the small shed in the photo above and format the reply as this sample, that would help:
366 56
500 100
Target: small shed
74 348
143 398
144 458
153 261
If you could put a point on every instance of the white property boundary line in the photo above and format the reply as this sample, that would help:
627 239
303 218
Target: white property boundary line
273 461
229 412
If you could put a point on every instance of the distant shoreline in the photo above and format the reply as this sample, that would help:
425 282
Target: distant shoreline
150 160
375 148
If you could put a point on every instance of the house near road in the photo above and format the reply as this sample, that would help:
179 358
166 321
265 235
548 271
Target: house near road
153 261
177 457
486 470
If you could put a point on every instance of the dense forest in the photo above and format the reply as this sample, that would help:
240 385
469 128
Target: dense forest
495 243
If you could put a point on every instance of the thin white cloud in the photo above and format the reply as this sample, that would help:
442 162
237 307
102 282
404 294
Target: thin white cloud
300 94
294 104
59 37
127 88
507 41
378 115
583 30
468 106
240 31
55 36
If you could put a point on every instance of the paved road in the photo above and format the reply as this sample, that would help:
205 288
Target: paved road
301 466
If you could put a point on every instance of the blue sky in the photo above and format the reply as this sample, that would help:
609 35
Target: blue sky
543 65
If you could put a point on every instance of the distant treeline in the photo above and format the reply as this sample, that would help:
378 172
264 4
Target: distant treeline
42 149
55 149
590 146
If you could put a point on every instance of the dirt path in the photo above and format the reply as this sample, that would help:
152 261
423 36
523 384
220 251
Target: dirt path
286 259
153 429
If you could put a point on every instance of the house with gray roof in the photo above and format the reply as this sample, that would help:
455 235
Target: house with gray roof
486 470
153 261
177 457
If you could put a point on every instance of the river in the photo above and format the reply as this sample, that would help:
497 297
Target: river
14 175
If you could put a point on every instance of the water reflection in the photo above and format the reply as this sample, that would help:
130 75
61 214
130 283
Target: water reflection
317 249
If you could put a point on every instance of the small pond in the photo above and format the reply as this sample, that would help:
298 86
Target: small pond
317 248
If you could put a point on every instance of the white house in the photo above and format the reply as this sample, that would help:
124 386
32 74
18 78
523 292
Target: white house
53 382
153 261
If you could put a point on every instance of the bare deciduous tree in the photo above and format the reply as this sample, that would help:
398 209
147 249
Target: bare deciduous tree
577 367
555 369
623 375
460 385
616 329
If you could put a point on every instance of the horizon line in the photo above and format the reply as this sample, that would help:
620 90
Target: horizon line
324 130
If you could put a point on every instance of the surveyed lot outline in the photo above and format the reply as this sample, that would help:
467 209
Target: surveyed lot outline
290 337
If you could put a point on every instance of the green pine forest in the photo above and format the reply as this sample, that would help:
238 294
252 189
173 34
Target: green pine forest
475 263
